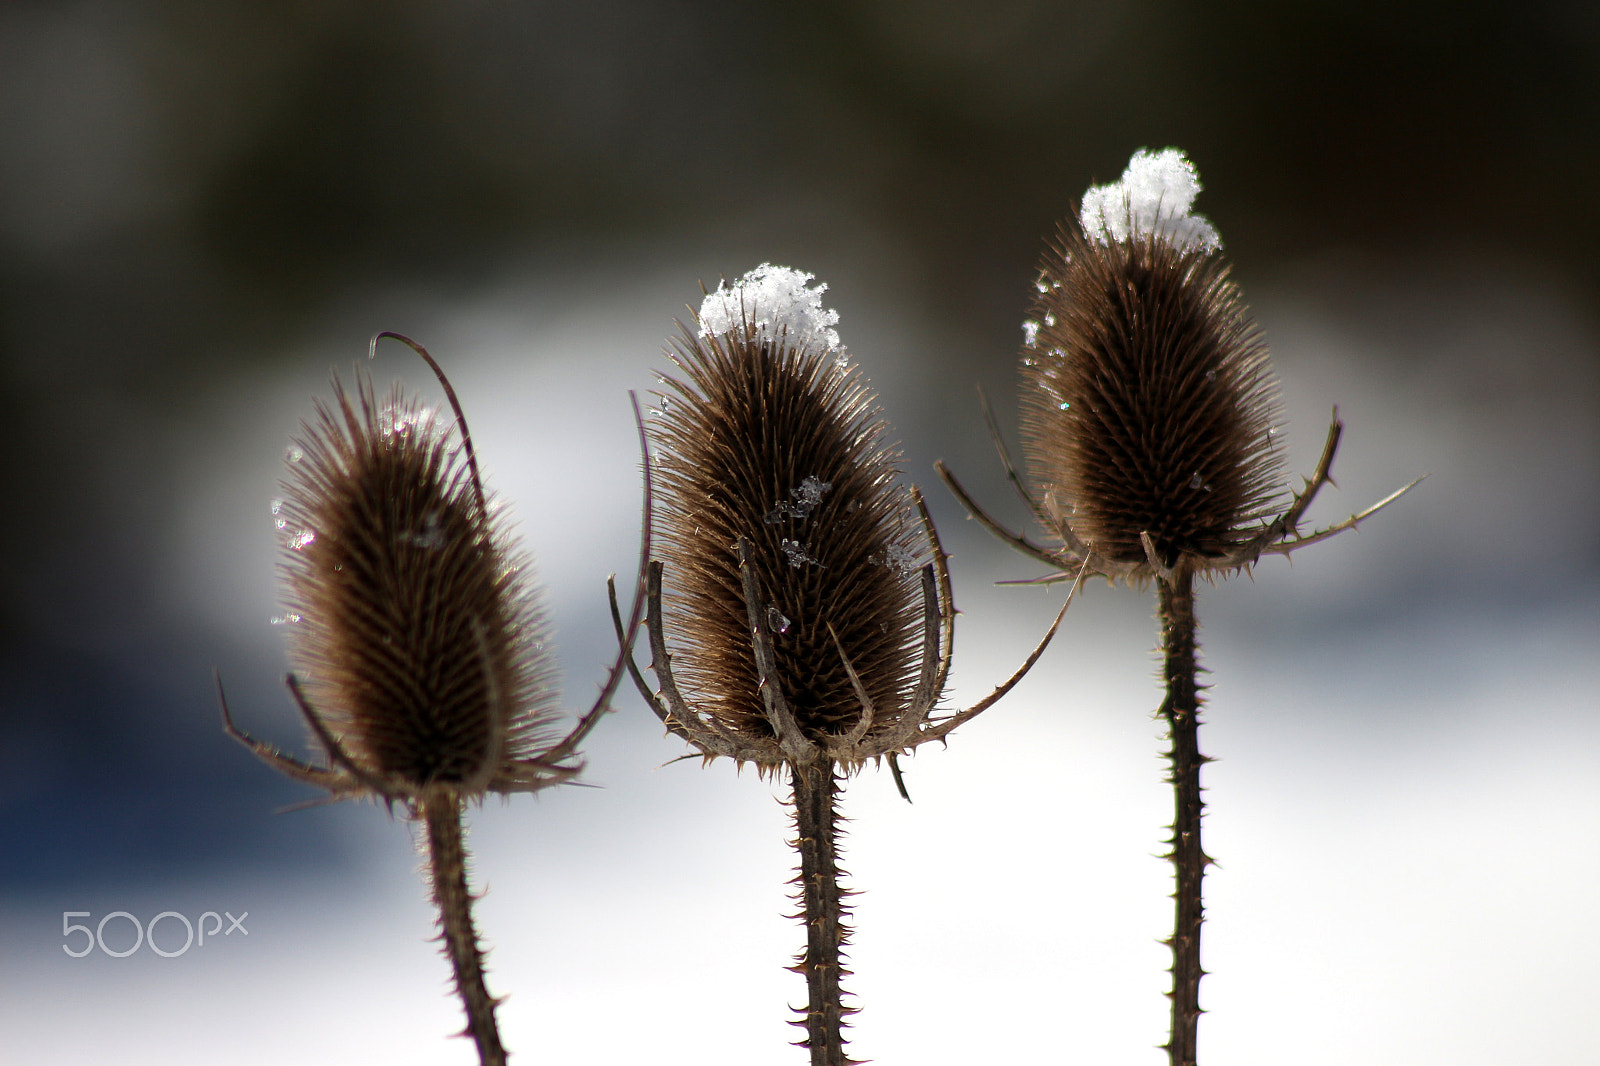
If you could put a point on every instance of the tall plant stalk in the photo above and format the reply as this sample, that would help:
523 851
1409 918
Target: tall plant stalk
814 792
447 873
1181 711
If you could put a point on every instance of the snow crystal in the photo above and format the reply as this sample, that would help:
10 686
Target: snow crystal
777 302
1154 196
797 554
900 559
806 496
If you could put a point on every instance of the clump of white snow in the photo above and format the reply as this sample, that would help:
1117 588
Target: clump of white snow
777 302
1153 197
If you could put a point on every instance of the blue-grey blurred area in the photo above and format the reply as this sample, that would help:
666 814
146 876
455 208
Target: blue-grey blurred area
206 209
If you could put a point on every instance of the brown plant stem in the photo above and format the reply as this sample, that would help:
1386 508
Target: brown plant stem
447 861
1181 709
823 909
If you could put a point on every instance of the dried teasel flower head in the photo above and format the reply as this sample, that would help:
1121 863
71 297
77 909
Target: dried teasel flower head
1148 409
1147 404
770 445
808 602
419 651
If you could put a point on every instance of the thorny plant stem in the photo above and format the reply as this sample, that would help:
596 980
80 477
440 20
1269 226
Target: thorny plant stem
447 858
1181 709
824 911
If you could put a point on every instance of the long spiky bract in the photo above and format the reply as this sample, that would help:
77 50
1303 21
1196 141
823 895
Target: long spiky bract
799 604
420 654
1148 414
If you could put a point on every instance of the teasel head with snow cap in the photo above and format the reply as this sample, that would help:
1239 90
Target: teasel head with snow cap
798 604
804 592
1148 408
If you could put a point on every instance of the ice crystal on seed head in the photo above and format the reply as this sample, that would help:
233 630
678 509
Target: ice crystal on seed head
776 301
797 555
806 497
900 559
1153 197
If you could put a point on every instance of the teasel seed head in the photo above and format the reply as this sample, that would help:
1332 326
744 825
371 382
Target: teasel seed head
770 440
418 638
420 655
1147 403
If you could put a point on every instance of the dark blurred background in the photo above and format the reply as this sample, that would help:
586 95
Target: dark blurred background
204 208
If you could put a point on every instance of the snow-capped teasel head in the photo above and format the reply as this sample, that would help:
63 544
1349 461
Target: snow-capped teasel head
777 301
1153 197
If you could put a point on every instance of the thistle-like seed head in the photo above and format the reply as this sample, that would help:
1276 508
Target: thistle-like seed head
1147 403
771 439
413 629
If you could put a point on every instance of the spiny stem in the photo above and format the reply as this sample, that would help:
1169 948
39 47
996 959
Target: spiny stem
824 911
1181 709
447 859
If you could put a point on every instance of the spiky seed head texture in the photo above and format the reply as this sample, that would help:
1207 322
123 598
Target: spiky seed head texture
1147 401
777 441
414 628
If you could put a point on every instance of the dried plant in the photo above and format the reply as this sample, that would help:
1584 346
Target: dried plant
799 611
1148 417
419 650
